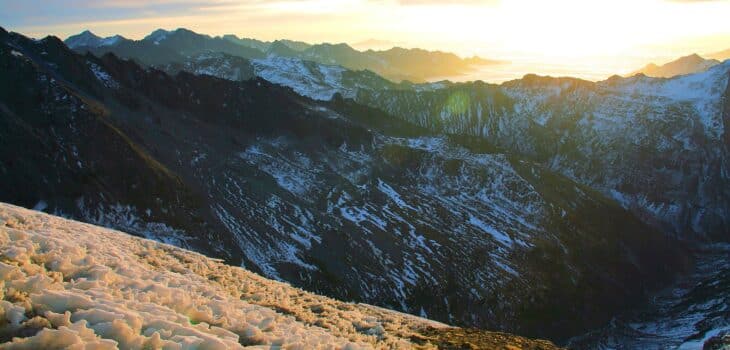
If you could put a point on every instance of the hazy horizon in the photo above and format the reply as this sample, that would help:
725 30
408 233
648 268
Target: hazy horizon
574 38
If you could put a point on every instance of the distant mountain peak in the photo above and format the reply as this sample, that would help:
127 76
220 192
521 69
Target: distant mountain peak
338 46
344 46
279 47
182 30
89 39
157 35
692 63
108 41
160 35
85 38
691 58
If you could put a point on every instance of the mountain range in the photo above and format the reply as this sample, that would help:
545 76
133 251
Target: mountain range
162 46
513 207
684 65
561 122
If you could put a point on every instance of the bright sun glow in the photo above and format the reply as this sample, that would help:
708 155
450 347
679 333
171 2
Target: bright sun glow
592 39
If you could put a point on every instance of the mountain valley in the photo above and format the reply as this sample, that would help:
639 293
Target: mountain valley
510 207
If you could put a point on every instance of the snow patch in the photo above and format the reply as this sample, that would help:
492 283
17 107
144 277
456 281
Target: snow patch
487 228
103 76
82 286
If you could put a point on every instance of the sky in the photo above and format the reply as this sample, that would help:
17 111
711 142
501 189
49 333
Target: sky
573 36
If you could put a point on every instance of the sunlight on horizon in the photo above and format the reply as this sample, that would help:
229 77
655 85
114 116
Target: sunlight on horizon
587 39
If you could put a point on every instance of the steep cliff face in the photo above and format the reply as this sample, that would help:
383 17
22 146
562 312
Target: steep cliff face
653 145
333 196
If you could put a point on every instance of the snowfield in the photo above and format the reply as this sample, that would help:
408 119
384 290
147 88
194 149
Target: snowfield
77 286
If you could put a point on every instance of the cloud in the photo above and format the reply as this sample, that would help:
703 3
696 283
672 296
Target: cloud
446 3
435 2
134 19
34 12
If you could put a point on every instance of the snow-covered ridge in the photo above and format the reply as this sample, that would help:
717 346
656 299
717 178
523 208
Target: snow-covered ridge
158 35
89 39
316 81
68 284
306 78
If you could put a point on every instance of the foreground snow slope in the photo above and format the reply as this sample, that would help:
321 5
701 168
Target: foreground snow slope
69 284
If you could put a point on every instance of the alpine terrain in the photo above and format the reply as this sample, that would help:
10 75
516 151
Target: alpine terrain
591 214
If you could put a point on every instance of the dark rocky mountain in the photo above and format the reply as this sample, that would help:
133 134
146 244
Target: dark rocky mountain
317 81
248 42
314 80
657 147
219 65
611 136
163 46
333 196
89 39
187 43
266 45
683 65
143 51
691 313
296 45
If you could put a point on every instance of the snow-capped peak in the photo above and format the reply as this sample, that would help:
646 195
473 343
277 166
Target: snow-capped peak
85 38
89 39
158 35
109 41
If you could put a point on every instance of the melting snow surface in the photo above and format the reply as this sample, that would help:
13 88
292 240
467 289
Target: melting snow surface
73 285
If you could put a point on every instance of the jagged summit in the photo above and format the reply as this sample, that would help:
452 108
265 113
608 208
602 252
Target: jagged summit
85 38
280 48
161 34
89 39
157 35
